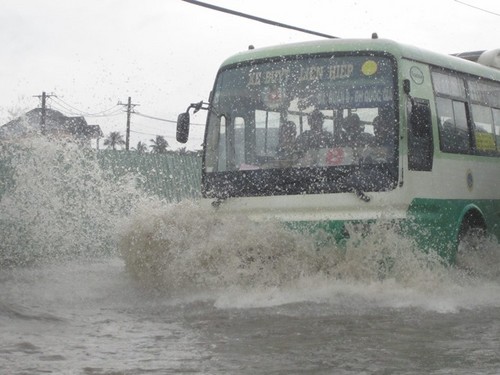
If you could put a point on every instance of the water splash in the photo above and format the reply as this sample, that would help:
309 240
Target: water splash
184 249
480 257
64 205
185 245
60 202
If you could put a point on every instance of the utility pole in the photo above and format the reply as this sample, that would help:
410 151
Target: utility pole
130 108
44 113
43 116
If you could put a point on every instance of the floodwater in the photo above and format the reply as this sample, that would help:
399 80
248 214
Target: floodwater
118 283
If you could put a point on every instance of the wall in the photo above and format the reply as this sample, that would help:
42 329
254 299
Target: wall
170 176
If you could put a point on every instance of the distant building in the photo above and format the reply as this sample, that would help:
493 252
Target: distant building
57 126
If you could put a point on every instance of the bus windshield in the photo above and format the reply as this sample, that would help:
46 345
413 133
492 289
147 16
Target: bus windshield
291 121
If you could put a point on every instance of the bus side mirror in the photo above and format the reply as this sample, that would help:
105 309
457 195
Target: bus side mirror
406 86
420 142
182 127
420 120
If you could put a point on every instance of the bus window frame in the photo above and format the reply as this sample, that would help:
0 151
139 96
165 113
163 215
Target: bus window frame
469 100
420 136
213 180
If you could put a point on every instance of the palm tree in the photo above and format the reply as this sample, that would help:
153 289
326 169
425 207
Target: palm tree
141 148
114 139
159 145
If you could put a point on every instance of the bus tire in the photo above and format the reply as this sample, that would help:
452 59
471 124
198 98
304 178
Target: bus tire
471 239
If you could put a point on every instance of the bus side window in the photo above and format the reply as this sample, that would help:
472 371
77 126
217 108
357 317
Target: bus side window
420 145
496 122
221 156
453 128
484 131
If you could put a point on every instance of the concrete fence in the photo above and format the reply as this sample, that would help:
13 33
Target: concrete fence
169 176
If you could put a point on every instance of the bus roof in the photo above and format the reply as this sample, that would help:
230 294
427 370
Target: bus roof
369 45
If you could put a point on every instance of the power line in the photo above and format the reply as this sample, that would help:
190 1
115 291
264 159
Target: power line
72 109
478 8
161 119
152 130
144 129
115 110
115 113
155 134
138 132
112 111
154 118
84 113
63 108
258 19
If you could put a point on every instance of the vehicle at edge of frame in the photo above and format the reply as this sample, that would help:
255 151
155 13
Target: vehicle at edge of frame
336 134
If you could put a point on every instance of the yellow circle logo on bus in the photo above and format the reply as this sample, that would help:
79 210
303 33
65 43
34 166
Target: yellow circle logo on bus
369 68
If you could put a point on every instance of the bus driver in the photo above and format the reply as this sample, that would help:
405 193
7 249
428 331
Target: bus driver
316 137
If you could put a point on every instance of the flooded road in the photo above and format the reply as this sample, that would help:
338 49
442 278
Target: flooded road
91 318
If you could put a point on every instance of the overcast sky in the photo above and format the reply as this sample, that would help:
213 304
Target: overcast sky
165 53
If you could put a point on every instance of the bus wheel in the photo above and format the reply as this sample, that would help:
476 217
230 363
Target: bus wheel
472 240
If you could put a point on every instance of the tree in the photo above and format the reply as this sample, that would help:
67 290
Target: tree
113 140
159 145
141 148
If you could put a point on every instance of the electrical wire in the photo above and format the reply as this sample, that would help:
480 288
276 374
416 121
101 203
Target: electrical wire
153 134
83 113
152 130
115 113
75 111
71 113
258 19
112 111
156 134
161 119
117 109
153 117
478 8
63 108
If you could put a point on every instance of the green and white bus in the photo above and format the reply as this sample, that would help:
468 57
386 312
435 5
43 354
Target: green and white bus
408 136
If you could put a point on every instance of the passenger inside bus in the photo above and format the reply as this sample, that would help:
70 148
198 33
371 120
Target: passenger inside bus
316 137
382 144
453 139
287 148
384 132
353 134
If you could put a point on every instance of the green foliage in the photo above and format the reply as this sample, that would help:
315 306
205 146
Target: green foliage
159 145
113 140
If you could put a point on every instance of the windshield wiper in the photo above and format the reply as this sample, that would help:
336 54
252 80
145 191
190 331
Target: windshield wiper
360 194
218 201
353 183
